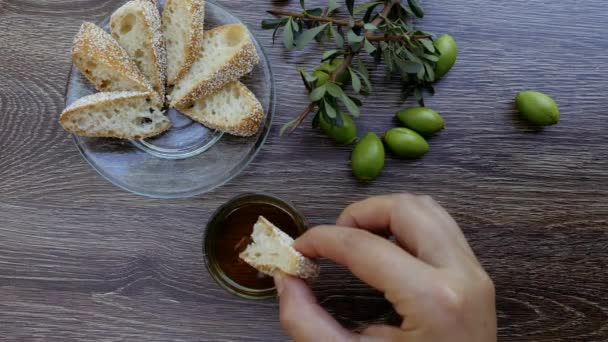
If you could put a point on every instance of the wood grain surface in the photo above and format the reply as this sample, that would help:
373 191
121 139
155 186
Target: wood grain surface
83 260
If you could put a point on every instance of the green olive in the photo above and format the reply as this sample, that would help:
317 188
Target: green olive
345 134
422 120
368 157
405 143
537 108
331 67
448 48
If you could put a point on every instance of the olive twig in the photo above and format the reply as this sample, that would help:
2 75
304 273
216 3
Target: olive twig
348 60
385 30
298 121
325 19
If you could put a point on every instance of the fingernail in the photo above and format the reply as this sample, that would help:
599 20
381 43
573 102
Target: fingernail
278 281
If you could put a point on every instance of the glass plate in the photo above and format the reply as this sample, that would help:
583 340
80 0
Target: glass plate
188 160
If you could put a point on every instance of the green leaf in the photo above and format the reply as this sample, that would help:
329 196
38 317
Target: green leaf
318 93
294 25
416 8
329 109
332 6
315 11
411 56
430 73
368 13
337 37
269 24
331 54
334 90
356 101
408 67
362 68
355 80
369 47
306 76
350 105
420 74
370 27
350 5
353 38
407 9
388 61
308 35
366 82
431 58
288 35
302 4
428 44
365 7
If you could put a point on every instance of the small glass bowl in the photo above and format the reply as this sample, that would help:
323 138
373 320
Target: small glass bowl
213 239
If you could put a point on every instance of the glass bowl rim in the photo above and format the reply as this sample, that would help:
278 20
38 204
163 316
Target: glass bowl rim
215 271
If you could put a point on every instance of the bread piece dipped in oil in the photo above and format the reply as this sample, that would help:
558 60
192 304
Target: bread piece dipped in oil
272 253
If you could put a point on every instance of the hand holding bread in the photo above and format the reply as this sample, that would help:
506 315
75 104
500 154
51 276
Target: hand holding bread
430 275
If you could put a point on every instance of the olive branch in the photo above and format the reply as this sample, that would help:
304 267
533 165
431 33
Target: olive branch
384 30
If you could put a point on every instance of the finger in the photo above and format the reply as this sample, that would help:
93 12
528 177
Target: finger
373 259
382 333
416 224
302 317
449 221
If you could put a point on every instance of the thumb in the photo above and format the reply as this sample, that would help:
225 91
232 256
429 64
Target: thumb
302 317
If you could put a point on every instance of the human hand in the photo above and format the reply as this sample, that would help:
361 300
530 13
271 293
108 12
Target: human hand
431 275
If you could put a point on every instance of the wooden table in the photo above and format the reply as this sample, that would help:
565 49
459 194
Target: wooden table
82 259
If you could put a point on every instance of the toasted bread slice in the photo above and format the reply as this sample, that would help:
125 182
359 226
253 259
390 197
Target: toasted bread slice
227 54
125 115
102 61
182 22
233 109
271 252
136 27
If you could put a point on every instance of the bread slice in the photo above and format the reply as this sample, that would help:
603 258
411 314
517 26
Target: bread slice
102 61
125 115
233 109
136 27
271 252
182 22
226 55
